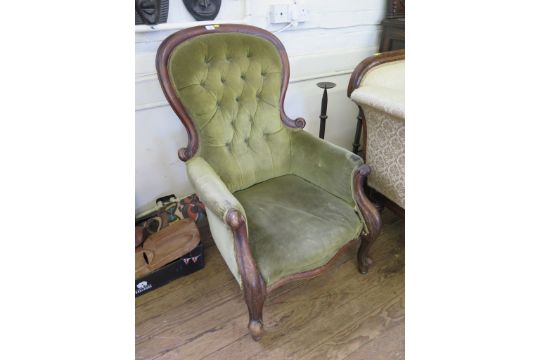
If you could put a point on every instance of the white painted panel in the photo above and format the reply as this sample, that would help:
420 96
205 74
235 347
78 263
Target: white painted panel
319 40
158 171
304 100
342 5
148 91
336 61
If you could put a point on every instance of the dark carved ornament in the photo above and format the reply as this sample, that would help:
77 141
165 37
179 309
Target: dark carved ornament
395 8
203 9
151 12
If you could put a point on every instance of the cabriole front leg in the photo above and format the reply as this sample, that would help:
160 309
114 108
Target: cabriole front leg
253 284
370 214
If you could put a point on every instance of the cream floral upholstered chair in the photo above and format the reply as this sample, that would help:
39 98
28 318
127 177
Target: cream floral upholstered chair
377 86
281 203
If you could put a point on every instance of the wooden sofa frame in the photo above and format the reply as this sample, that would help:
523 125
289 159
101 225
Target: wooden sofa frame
357 76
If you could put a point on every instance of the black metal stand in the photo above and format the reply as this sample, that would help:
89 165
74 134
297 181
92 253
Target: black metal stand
324 104
358 132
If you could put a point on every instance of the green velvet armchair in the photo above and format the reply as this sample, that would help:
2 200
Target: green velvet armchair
281 203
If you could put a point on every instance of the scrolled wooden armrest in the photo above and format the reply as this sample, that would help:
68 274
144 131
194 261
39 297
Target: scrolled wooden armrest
234 218
299 122
369 212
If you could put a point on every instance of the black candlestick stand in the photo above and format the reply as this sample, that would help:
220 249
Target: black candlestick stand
324 104
358 132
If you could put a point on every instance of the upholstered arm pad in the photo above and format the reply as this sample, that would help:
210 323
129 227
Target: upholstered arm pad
324 164
210 188
387 100
218 200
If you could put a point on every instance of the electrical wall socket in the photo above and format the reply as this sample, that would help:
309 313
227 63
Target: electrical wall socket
279 13
302 13
284 13
298 11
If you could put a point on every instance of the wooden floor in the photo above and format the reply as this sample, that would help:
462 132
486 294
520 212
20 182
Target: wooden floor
340 314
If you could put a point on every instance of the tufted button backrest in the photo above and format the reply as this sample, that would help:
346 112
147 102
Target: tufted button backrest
229 84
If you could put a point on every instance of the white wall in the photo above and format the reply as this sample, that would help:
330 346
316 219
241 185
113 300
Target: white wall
327 47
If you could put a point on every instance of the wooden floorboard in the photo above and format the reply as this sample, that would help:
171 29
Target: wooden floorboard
340 314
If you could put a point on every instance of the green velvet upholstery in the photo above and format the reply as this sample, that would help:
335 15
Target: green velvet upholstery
229 84
324 164
218 200
294 189
295 225
211 189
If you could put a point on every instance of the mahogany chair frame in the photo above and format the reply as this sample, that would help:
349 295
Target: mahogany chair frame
357 76
253 285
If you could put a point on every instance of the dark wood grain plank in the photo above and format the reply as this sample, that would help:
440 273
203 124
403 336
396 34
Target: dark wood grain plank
389 345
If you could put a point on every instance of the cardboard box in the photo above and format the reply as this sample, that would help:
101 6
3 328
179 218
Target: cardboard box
171 210
185 265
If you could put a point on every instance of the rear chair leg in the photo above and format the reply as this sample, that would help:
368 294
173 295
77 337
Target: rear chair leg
363 260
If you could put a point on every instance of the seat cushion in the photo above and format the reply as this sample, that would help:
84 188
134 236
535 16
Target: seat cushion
295 226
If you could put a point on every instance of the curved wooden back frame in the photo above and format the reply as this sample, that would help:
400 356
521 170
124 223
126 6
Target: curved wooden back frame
369 63
162 62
